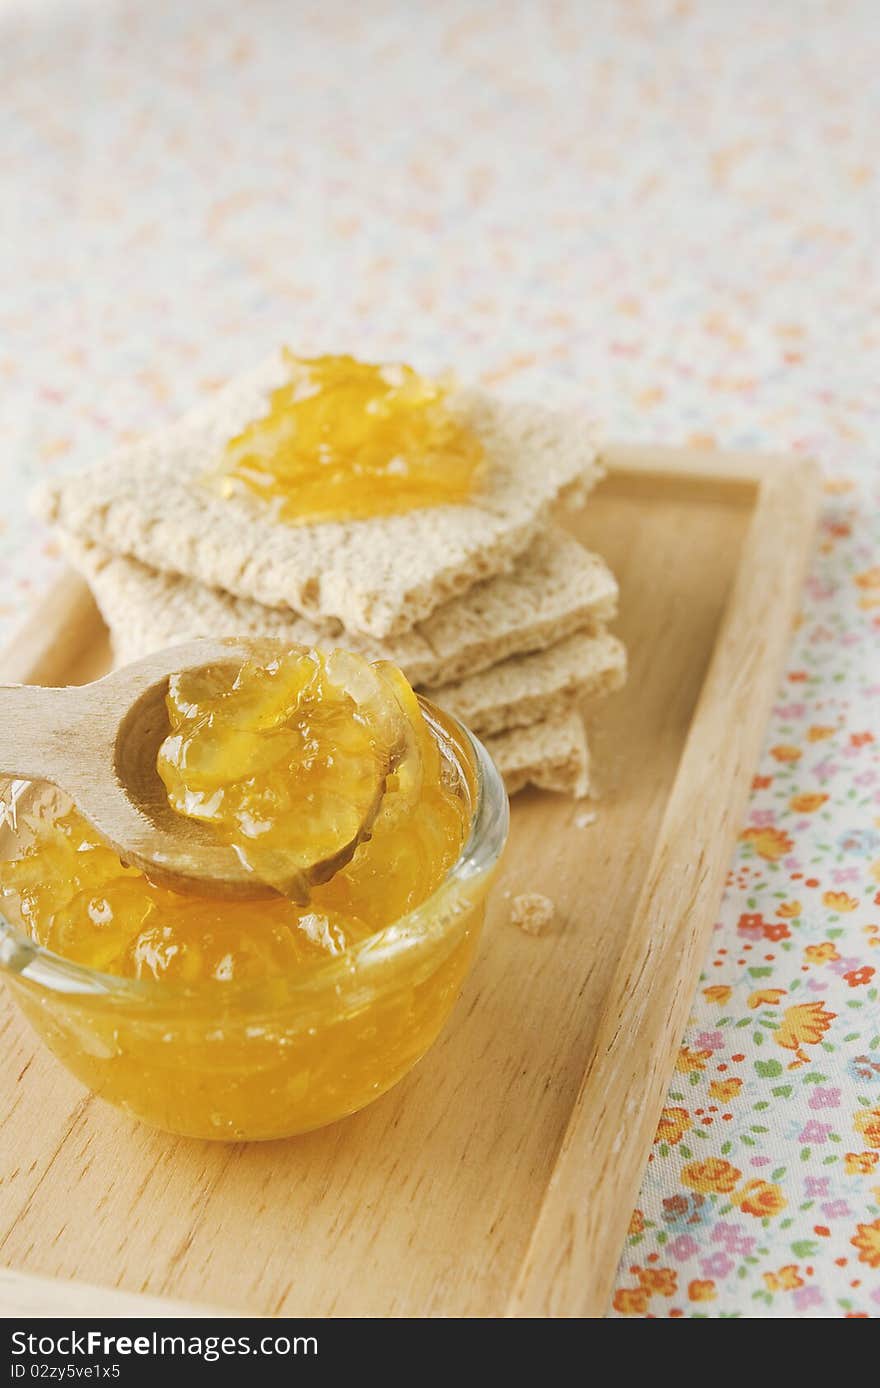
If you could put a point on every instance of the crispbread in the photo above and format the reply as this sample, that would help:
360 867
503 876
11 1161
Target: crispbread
543 685
378 576
532 912
557 588
551 754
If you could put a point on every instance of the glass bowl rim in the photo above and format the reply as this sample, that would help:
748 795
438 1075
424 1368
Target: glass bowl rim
356 971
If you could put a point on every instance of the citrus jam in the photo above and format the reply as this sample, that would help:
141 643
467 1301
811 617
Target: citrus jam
344 440
293 756
243 1019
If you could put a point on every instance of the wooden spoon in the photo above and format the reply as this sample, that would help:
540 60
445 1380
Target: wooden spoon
98 743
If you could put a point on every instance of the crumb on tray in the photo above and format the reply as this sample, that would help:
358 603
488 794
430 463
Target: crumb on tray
584 820
532 912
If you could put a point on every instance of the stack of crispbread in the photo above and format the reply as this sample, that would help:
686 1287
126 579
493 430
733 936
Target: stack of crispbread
490 608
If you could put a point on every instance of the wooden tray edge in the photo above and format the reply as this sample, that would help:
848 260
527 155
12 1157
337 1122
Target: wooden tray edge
27 1297
47 642
570 1264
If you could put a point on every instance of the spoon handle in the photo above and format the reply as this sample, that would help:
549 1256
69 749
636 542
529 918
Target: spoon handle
43 734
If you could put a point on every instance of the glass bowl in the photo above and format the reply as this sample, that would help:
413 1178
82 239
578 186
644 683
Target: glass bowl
240 1062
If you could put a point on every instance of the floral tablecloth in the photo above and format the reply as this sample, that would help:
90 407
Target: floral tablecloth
667 210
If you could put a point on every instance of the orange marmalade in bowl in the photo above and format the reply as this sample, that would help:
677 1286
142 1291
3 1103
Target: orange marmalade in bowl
343 439
378 821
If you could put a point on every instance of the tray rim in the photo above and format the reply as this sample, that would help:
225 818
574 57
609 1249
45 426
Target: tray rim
571 1258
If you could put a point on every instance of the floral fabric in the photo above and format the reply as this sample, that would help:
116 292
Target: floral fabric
763 1191
664 208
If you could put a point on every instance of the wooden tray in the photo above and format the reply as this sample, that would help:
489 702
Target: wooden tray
499 1177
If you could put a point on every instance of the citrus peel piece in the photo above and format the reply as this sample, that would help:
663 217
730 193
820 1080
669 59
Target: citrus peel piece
288 756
